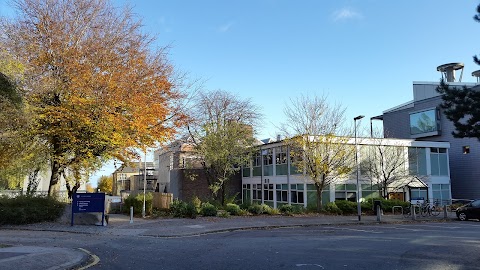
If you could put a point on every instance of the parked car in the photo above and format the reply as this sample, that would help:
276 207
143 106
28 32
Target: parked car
469 211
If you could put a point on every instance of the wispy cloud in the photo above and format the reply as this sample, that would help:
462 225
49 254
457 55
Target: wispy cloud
225 27
345 14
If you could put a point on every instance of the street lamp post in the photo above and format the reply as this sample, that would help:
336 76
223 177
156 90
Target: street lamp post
144 183
359 208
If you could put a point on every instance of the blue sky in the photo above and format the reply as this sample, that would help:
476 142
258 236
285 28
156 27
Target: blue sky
363 54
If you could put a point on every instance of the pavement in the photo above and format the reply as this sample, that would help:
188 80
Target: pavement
34 257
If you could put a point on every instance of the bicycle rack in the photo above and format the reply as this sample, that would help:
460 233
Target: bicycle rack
396 207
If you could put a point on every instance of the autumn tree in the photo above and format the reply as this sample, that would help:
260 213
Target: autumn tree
222 130
20 155
316 135
462 105
95 87
105 184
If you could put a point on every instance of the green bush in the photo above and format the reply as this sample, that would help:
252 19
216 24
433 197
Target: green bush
29 209
208 210
182 209
233 209
266 209
137 203
255 209
286 209
197 203
387 205
298 209
347 207
243 212
245 206
332 208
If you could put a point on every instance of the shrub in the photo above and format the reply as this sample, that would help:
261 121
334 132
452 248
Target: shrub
332 208
197 203
243 212
137 203
208 210
233 209
232 198
29 209
286 209
245 205
182 209
255 209
298 209
347 207
223 214
266 209
387 205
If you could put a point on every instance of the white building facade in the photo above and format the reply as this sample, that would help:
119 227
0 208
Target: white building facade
272 178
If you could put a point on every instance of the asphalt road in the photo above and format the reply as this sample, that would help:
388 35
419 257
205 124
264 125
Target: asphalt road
451 245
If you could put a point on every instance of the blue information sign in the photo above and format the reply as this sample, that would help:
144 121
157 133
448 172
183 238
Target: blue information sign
88 202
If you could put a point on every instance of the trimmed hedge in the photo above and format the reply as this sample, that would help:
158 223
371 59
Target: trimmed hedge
29 209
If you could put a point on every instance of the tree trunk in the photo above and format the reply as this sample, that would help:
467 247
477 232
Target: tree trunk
72 190
223 193
57 170
319 189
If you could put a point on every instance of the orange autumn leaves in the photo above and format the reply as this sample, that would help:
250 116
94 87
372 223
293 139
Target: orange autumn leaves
96 86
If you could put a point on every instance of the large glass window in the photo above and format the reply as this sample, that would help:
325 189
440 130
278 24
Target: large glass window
417 161
257 165
297 192
441 193
282 193
438 161
281 160
267 162
246 169
268 192
346 192
423 122
246 193
418 194
257 193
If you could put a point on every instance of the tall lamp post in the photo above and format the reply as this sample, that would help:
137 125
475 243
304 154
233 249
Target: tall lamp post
144 183
359 208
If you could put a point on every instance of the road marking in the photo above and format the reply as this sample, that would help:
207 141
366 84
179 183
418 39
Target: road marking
309 264
357 230
95 258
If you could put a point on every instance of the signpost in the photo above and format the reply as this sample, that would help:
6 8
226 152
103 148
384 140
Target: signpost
88 202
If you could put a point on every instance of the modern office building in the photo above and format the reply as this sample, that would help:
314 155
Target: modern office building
422 119
272 178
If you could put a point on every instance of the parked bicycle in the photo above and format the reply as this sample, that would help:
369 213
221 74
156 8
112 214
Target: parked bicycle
407 210
430 209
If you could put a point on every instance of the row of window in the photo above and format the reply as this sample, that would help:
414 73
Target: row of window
417 162
440 192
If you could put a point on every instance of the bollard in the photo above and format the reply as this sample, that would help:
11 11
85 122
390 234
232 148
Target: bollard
379 213
445 213
414 215
131 214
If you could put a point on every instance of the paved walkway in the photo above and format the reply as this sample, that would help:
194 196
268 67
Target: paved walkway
24 257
